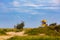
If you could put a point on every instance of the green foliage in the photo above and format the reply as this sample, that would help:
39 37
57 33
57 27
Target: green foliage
20 26
12 30
42 30
2 32
53 24
34 38
32 32
18 30
51 30
8 29
57 28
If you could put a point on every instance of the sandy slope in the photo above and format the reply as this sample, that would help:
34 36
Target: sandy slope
11 34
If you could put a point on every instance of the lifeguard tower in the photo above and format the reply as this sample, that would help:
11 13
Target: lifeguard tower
44 23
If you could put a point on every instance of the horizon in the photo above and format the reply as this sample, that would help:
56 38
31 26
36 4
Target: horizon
13 12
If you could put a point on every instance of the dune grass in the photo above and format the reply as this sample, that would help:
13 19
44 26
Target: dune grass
34 38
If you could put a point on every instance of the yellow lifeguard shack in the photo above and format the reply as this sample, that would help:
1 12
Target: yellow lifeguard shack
44 23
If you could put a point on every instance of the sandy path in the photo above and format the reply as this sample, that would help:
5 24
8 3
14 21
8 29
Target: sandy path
11 34
4 37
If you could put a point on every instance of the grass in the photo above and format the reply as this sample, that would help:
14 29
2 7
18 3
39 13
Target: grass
43 30
34 38
2 32
10 30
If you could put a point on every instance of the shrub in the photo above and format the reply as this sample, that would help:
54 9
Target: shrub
42 30
53 24
19 26
32 32
57 28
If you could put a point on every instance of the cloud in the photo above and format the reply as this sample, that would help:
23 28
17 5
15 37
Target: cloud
56 2
43 4
16 8
16 3
30 6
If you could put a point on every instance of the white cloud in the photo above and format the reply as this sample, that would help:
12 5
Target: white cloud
32 4
56 2
51 3
18 5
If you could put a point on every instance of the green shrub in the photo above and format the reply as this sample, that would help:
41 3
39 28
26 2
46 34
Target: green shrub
18 30
32 32
42 30
19 26
48 31
12 30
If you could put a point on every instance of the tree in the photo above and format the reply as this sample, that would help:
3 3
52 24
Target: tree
20 26
53 24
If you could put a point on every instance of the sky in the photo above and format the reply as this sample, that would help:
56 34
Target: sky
13 12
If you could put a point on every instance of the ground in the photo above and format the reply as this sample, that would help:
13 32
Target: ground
11 34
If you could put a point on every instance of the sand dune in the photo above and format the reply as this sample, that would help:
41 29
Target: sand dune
11 34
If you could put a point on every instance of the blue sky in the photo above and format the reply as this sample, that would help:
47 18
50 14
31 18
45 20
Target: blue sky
31 12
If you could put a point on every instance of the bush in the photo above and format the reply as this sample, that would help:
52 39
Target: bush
12 30
9 30
57 28
32 32
42 30
48 31
19 26
53 24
